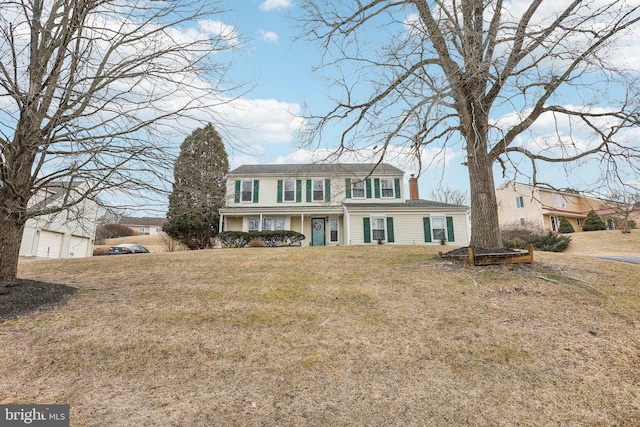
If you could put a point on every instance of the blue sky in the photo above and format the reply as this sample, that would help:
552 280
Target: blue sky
269 57
281 68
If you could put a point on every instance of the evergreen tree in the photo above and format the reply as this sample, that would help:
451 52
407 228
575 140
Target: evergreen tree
200 177
594 222
565 226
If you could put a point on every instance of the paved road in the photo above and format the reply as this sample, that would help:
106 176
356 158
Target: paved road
622 258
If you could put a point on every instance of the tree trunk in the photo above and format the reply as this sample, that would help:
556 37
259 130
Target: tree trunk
10 238
485 228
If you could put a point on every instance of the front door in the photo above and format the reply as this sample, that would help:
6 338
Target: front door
317 232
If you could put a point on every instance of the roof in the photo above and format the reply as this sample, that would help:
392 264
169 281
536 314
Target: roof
318 168
406 204
144 221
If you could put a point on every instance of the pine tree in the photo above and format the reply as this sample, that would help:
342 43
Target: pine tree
200 176
593 222
565 226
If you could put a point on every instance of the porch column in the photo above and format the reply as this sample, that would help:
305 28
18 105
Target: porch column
220 227
347 227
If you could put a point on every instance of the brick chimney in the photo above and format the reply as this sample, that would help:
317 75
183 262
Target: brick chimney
413 188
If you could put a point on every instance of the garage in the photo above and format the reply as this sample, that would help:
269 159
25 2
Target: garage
79 247
49 244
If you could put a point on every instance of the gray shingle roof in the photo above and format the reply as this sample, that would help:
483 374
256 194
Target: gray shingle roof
406 204
317 168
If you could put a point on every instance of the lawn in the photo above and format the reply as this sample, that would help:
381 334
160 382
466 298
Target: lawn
377 335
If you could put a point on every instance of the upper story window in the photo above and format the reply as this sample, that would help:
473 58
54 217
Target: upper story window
558 200
387 187
289 190
318 190
247 190
357 191
519 202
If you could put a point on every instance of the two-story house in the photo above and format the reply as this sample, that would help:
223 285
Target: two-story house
522 204
339 203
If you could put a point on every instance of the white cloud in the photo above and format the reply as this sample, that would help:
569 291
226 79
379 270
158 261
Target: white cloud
221 30
268 36
275 4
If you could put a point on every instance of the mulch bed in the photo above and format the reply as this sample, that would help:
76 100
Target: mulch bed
25 296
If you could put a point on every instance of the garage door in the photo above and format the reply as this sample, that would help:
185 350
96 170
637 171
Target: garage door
79 247
49 244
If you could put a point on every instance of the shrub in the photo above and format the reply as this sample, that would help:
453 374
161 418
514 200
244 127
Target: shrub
522 237
233 239
594 222
196 230
565 226
240 239
256 242
112 231
551 242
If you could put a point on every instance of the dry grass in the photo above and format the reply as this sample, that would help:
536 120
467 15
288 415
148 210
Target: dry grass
377 335
606 242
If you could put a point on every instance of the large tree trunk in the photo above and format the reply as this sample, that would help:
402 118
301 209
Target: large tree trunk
485 228
10 238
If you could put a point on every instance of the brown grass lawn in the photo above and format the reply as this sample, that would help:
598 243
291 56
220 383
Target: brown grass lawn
344 336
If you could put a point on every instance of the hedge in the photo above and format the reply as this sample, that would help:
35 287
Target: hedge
278 238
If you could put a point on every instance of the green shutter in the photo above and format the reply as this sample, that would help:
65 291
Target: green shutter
390 236
376 185
308 191
279 191
397 183
347 187
256 190
298 190
426 222
236 198
367 229
368 185
327 190
450 234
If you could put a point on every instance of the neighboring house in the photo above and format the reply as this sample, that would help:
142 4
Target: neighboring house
522 204
346 204
66 234
151 226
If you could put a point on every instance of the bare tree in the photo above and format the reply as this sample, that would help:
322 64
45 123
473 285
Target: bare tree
480 74
624 202
89 91
446 194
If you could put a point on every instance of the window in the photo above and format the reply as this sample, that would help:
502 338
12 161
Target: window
558 200
387 187
523 222
278 223
318 190
333 229
247 190
519 202
357 190
578 222
254 224
266 223
377 228
438 228
289 190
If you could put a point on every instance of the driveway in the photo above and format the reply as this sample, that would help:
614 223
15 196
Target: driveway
622 258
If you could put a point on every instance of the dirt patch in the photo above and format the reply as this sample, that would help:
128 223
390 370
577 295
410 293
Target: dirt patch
25 296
